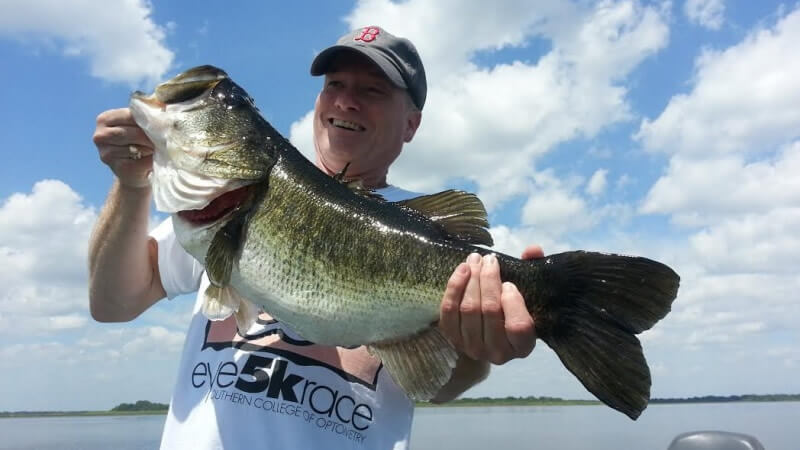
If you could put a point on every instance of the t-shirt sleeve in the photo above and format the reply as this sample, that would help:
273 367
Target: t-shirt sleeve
180 272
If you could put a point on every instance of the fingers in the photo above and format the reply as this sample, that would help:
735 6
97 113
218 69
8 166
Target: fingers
114 154
470 310
124 147
496 345
449 317
533 252
519 326
117 127
121 135
115 117
483 317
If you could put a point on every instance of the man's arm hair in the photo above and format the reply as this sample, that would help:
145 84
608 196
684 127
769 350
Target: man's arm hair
123 260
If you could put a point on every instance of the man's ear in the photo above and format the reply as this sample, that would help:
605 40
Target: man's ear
412 123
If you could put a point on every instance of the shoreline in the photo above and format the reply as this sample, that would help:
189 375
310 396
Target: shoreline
41 414
469 403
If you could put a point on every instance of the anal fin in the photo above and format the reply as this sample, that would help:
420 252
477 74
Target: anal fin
420 365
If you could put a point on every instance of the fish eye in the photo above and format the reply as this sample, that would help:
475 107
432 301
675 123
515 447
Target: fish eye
231 94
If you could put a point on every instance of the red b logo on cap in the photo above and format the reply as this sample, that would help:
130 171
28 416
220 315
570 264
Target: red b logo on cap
368 34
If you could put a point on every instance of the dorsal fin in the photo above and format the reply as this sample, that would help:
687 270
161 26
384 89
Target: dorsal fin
460 214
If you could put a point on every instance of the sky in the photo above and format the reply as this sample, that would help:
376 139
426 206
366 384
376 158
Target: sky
664 129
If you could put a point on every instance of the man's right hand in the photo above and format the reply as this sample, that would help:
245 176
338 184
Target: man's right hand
124 147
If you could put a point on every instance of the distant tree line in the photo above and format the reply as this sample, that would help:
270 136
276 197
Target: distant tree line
731 398
141 405
510 400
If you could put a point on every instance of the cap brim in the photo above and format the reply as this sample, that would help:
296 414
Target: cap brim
323 61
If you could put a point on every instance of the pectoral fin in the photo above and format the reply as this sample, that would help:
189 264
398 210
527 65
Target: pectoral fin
222 251
420 365
227 241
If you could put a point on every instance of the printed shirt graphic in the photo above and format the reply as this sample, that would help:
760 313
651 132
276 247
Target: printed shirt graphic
271 388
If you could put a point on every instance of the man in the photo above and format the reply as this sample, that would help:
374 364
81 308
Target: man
271 388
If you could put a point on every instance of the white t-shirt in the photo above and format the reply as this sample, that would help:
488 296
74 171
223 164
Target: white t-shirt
271 389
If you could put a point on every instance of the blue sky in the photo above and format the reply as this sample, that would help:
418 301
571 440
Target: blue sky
664 129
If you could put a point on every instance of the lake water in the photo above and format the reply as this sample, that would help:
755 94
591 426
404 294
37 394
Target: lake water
776 425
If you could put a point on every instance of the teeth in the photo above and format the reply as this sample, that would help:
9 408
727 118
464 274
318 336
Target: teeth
347 124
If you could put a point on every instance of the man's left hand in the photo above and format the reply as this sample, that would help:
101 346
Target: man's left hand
483 317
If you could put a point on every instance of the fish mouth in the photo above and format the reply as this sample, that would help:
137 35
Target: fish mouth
346 124
218 208
149 99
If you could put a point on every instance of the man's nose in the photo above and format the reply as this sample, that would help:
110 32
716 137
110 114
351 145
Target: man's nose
347 99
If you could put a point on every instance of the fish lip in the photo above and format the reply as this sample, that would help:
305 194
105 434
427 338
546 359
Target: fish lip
148 99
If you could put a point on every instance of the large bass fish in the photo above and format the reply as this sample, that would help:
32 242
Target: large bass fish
341 266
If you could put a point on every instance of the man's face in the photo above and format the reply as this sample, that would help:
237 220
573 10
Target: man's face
361 118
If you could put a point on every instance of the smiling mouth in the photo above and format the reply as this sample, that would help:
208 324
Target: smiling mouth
346 125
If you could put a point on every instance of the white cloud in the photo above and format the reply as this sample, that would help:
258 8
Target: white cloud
555 210
752 243
43 240
512 241
44 236
148 338
736 315
732 185
790 356
703 191
707 13
119 38
44 312
624 181
597 184
743 100
144 357
301 134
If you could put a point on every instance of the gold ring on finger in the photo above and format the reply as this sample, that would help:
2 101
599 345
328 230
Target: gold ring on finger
135 153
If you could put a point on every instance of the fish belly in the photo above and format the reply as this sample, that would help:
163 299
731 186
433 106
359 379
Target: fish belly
328 306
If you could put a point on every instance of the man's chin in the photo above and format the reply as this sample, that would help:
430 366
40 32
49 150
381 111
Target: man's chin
334 160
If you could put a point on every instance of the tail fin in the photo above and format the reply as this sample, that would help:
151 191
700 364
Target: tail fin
589 306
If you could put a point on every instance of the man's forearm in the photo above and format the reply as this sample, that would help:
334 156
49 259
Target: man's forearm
467 373
123 279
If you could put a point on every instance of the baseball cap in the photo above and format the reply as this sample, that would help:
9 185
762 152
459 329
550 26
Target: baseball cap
396 57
